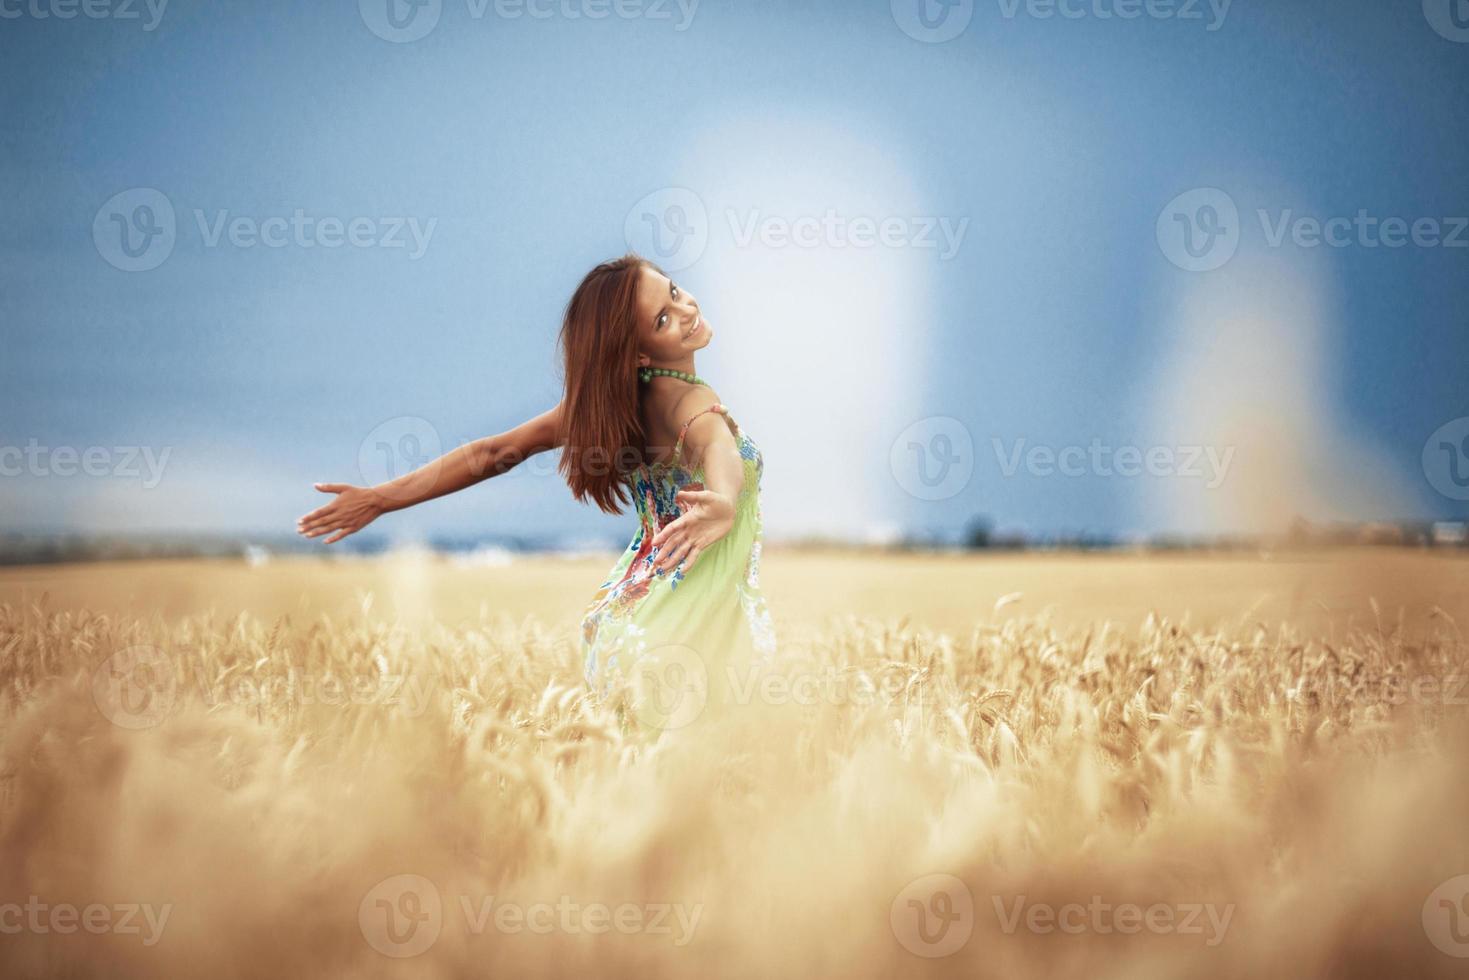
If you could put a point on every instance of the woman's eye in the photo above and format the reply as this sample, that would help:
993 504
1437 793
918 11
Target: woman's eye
675 291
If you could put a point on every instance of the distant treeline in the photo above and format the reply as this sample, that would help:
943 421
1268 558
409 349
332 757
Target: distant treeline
980 534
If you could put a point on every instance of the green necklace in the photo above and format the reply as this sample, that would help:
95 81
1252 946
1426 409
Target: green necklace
649 373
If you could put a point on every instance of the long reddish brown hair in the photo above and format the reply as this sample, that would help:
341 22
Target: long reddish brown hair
601 431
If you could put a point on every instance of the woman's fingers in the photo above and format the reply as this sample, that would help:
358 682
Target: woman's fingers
660 563
327 525
321 511
693 556
671 528
681 539
672 548
675 554
685 555
325 512
339 517
323 522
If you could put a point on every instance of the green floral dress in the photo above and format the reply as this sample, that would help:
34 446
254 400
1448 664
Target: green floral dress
717 609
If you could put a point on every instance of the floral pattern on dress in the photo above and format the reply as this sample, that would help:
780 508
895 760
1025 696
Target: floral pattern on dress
610 630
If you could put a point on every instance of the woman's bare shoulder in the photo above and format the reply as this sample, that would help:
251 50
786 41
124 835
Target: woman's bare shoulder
691 403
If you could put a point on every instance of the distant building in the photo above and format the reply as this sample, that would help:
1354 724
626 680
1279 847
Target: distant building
1450 533
1381 532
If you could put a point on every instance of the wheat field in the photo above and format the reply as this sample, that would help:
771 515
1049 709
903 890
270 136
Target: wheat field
971 767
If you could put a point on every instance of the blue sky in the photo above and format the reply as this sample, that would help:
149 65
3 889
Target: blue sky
961 255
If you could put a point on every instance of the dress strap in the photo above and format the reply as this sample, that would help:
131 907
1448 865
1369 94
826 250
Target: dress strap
678 446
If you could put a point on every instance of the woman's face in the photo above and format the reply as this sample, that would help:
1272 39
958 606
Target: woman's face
670 327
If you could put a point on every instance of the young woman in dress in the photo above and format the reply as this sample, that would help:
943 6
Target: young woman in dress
635 424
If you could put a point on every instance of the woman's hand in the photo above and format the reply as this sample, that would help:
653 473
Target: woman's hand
707 517
353 509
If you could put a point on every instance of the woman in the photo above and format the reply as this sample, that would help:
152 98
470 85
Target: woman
686 590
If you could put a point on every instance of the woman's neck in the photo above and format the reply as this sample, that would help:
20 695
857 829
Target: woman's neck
684 364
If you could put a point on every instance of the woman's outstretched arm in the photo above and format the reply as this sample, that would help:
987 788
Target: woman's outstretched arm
353 508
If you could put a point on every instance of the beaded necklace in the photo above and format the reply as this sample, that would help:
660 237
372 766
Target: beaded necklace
649 373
